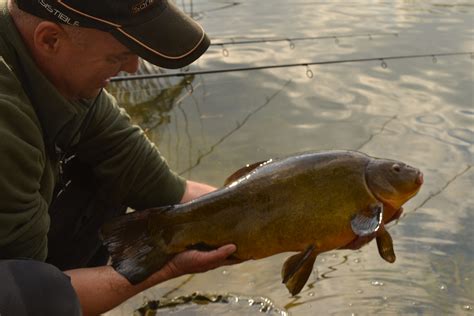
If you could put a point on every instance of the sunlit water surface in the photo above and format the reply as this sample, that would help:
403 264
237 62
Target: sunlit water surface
418 110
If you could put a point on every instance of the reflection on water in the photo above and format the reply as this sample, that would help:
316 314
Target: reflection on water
202 303
420 111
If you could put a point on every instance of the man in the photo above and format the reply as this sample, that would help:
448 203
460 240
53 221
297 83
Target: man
69 157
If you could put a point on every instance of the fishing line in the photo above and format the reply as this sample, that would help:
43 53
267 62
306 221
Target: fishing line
378 132
231 41
383 61
238 126
443 188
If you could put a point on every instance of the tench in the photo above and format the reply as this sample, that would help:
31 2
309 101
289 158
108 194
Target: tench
308 203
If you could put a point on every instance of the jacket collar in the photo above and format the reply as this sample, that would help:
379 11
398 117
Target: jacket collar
60 118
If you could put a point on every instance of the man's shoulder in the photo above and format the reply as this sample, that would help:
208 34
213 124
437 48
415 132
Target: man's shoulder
16 112
10 86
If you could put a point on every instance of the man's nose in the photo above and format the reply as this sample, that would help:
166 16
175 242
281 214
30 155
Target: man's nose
131 64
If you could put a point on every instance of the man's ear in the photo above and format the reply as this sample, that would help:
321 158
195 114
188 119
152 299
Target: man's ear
48 37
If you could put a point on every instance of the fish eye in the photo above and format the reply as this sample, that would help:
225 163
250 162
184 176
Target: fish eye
396 168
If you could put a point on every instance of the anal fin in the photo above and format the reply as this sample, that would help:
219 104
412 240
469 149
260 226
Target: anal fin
297 270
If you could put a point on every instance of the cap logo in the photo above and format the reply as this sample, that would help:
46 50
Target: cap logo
142 5
58 14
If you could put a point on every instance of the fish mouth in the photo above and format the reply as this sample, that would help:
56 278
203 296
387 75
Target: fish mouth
419 179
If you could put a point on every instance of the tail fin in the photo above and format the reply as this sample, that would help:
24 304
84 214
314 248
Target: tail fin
135 253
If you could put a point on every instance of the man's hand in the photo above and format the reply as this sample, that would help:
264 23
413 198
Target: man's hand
194 261
102 288
361 241
195 190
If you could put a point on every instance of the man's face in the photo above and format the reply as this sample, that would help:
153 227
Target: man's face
84 66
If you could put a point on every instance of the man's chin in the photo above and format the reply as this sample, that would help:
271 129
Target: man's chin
90 95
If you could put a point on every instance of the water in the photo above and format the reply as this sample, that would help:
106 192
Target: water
420 111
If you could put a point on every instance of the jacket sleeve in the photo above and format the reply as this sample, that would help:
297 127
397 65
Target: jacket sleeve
127 164
24 220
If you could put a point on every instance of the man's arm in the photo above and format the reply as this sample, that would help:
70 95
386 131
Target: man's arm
194 190
101 289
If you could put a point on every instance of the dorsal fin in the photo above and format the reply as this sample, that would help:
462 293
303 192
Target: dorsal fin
244 171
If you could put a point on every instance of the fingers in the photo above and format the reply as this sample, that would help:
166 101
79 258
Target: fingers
225 251
218 257
194 261
397 215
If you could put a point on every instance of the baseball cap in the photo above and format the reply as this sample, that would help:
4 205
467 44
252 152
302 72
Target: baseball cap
156 30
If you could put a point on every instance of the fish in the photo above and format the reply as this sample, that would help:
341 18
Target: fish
308 203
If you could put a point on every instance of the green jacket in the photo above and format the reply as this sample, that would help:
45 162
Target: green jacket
36 122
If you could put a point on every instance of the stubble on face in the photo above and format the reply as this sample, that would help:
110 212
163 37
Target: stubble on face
90 59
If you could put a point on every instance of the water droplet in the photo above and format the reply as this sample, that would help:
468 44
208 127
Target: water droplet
353 314
443 287
323 260
467 307
377 283
311 294
225 272
356 260
350 304
385 298
359 291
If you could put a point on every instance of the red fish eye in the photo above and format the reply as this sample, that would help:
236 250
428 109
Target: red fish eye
396 168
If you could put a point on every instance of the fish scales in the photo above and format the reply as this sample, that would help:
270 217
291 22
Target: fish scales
256 205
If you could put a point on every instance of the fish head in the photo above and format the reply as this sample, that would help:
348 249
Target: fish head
393 182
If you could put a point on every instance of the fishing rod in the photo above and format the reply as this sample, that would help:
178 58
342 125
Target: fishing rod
309 73
231 41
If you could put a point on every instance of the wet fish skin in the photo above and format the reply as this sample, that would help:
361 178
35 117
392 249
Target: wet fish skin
308 203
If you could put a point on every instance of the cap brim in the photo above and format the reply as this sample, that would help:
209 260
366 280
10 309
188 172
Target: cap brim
171 40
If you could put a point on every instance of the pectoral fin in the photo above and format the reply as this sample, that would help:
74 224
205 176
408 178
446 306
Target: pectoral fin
297 270
368 221
385 245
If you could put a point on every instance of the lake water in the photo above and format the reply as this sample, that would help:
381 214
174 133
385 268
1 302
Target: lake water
418 110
